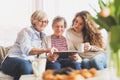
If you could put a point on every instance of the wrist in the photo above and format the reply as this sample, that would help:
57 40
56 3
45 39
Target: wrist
43 50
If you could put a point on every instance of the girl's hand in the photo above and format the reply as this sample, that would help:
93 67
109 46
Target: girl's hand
87 46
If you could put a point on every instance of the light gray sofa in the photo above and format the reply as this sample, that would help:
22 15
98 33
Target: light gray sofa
3 52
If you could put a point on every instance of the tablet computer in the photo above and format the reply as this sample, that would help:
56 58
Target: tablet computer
70 52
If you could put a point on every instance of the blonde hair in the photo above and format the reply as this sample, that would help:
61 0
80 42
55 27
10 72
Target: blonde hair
37 15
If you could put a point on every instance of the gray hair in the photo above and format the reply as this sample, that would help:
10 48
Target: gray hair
59 18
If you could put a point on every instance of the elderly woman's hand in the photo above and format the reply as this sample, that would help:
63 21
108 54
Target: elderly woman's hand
74 57
51 50
52 57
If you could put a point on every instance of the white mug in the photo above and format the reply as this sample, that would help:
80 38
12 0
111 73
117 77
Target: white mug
38 66
81 48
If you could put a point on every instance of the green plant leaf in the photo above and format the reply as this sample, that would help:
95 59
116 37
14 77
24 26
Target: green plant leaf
101 4
115 38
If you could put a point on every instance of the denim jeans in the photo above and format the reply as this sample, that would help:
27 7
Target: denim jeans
15 67
99 62
62 63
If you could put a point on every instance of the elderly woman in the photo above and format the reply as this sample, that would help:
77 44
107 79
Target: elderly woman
26 47
84 32
58 41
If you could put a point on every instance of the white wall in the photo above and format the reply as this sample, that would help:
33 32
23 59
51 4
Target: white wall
14 15
67 9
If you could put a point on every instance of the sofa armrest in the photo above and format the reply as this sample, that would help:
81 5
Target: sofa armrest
3 52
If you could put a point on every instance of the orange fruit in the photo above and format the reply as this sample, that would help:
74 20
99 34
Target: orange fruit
86 74
105 12
93 71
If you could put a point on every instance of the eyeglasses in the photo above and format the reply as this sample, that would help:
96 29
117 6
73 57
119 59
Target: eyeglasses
46 21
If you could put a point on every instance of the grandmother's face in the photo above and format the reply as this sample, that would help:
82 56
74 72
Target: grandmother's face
41 24
58 28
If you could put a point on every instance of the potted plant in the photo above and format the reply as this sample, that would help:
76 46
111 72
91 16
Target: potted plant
109 18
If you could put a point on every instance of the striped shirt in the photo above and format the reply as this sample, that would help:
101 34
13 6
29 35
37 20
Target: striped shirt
60 44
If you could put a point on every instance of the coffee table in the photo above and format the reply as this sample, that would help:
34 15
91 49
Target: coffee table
102 75
29 77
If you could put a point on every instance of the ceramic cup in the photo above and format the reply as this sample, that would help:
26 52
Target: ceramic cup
81 48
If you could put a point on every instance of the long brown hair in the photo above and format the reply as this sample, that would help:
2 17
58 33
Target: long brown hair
90 31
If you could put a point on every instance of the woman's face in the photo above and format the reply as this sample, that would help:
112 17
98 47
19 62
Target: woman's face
41 24
58 28
78 24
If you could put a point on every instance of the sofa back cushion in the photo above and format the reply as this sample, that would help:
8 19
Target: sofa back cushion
3 52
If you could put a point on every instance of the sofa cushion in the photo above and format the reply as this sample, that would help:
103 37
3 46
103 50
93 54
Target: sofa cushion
5 77
3 52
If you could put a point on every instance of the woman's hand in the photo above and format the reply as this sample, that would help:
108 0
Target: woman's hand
51 50
74 57
52 57
87 46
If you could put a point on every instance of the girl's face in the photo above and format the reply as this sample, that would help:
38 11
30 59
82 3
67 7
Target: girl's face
58 28
78 24
41 24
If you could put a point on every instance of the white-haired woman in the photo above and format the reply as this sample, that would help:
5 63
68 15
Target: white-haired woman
27 46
